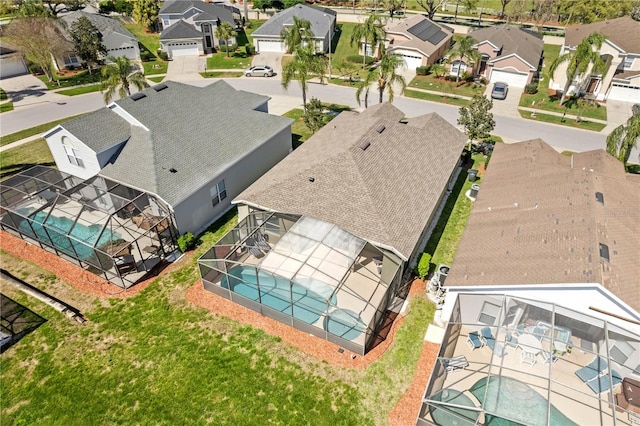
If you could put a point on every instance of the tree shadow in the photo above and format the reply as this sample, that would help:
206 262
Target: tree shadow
295 141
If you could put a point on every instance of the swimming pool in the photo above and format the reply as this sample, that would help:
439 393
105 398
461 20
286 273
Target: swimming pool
56 234
278 293
509 400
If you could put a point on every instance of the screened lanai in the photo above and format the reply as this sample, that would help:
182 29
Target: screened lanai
516 361
307 273
107 228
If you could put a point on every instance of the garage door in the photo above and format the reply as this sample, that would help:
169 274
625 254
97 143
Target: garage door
411 59
183 49
11 66
511 78
271 46
624 93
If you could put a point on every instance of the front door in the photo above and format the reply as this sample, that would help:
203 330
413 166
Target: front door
593 84
208 39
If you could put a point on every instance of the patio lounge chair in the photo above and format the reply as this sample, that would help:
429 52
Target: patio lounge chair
487 337
261 242
456 363
604 383
473 340
593 369
251 247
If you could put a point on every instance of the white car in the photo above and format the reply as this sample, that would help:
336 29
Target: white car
259 70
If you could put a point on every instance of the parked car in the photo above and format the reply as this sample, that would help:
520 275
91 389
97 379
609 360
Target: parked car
635 109
259 70
499 90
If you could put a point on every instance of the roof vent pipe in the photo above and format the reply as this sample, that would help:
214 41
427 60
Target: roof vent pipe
312 179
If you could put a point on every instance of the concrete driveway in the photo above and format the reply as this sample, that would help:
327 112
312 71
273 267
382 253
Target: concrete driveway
185 68
24 89
273 59
508 106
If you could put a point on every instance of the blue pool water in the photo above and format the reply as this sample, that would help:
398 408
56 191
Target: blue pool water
58 227
277 293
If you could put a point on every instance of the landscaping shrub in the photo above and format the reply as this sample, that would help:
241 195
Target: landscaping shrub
483 80
468 77
423 70
163 55
531 89
147 56
250 49
422 270
451 77
124 7
106 7
358 59
186 242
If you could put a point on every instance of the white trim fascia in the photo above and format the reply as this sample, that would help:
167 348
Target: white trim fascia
113 106
512 55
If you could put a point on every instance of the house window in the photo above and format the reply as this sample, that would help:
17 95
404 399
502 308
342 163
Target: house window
70 58
218 193
455 65
604 252
165 23
72 153
489 313
628 62
620 351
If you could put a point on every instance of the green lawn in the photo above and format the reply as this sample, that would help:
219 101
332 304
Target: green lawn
151 41
22 134
81 90
3 95
76 79
25 156
155 67
244 37
547 118
237 60
299 131
342 45
430 82
436 98
221 74
156 79
6 107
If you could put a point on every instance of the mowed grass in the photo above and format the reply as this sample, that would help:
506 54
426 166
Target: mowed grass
81 90
151 41
430 82
156 79
236 60
436 98
24 157
6 107
221 74
342 47
22 134
155 67
569 122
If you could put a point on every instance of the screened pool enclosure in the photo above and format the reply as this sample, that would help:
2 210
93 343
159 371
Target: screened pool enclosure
112 230
307 273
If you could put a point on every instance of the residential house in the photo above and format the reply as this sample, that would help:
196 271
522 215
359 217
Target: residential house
11 62
115 37
323 24
508 54
325 236
418 40
621 52
189 26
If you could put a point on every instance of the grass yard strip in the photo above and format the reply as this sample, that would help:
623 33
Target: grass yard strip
80 90
41 128
342 42
76 79
155 79
245 37
237 60
155 67
151 41
221 74
430 82
548 118
24 157
6 107
443 99
3 95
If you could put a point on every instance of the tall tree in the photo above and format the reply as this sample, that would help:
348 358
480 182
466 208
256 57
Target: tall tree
464 50
469 5
371 32
118 76
431 6
225 31
635 10
304 66
543 11
503 5
39 39
585 55
32 9
315 118
297 35
587 11
385 76
624 138
477 118
145 12
87 40
393 6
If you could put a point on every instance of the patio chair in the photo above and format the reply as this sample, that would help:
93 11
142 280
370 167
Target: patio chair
452 364
261 242
604 383
592 370
473 340
548 357
251 247
487 337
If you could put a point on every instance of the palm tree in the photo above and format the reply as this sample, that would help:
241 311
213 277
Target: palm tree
624 138
297 35
225 31
119 75
371 32
385 76
579 60
304 66
464 49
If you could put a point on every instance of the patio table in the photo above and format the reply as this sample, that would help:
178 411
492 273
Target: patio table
529 343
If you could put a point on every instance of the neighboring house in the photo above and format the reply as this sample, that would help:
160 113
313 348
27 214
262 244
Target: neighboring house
418 40
178 142
115 37
189 26
325 237
11 63
621 52
323 24
508 54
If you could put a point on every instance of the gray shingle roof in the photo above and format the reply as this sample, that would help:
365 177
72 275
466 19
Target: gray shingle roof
99 129
552 235
385 194
525 43
104 24
180 30
177 7
623 32
198 131
315 15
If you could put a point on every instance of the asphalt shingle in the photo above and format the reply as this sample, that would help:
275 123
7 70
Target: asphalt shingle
513 40
316 15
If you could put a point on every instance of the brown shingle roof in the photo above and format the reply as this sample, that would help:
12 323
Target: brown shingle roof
385 194
512 40
623 32
414 42
536 220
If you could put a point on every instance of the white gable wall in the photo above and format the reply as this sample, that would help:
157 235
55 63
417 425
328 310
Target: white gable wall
121 45
91 166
